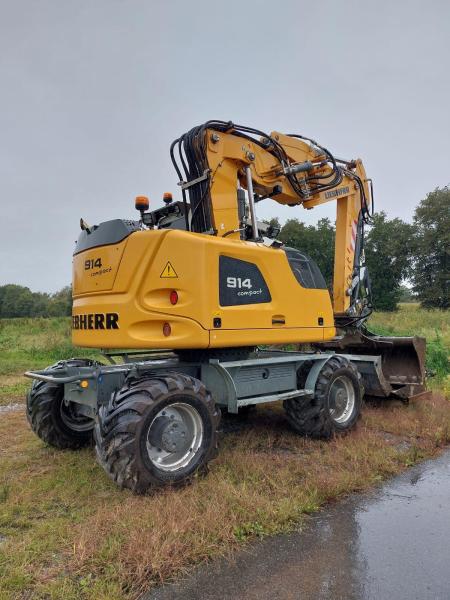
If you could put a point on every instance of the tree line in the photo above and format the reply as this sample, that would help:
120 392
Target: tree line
20 301
396 252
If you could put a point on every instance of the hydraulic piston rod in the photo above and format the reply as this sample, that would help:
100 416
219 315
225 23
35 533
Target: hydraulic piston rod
251 202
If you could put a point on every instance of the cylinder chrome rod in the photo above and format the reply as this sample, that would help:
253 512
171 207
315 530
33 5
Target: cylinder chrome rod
251 202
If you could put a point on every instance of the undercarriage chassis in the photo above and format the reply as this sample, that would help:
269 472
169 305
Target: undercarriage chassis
154 418
267 376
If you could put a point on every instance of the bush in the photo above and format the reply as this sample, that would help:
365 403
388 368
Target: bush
437 358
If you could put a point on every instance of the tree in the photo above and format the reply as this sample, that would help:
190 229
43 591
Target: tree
20 301
406 294
273 222
388 250
432 249
61 303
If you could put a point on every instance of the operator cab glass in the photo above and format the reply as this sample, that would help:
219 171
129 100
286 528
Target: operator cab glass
305 270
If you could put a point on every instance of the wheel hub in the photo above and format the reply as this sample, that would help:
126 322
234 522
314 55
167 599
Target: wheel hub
73 419
169 435
341 399
174 436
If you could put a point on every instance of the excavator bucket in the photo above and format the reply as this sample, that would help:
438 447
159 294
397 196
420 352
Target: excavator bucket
390 366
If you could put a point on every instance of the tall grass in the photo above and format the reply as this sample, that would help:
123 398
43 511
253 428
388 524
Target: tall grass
434 325
35 343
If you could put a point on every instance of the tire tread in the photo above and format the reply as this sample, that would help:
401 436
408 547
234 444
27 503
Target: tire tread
116 430
311 418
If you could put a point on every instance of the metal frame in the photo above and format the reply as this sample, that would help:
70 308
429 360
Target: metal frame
269 377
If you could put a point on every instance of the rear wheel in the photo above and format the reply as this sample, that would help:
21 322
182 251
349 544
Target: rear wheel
336 405
156 431
56 422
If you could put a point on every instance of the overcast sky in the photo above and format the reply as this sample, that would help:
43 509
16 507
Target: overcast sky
94 91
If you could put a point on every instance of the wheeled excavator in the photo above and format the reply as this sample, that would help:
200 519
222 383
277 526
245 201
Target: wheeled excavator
194 303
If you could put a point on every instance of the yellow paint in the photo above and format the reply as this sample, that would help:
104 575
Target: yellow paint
137 278
142 299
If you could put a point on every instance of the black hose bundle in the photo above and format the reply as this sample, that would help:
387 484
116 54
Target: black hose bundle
192 156
332 179
192 160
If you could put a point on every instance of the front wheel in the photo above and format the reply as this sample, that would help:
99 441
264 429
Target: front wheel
336 405
157 431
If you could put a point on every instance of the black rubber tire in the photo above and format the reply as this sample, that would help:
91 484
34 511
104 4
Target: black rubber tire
121 431
43 409
313 418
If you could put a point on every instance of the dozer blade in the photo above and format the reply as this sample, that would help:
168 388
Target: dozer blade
390 366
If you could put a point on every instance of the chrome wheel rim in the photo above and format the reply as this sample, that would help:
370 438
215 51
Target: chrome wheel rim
174 436
73 421
341 399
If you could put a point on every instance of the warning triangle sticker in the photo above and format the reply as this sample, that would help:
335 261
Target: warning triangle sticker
168 271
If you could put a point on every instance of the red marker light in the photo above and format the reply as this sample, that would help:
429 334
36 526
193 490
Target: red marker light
173 297
167 330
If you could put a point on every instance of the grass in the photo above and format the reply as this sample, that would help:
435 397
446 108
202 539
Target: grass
32 343
70 533
67 532
35 342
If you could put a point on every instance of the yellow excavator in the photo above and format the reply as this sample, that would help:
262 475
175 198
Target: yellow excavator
194 303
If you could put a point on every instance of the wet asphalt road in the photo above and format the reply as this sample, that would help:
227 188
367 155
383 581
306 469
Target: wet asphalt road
391 544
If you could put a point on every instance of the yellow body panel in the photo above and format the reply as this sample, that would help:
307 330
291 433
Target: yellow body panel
95 279
135 284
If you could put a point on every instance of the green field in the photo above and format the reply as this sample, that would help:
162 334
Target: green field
67 532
